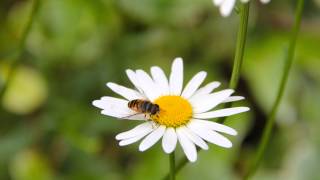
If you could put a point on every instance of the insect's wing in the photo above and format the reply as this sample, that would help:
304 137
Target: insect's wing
132 116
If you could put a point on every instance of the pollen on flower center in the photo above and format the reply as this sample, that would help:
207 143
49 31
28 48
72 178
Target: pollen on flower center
174 111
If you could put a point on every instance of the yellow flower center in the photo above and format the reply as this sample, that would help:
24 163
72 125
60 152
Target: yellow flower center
174 111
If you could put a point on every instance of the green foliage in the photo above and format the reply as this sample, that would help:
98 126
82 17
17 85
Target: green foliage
50 130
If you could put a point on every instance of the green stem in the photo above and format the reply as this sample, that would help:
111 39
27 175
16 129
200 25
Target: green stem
20 49
241 42
240 47
286 69
238 59
172 166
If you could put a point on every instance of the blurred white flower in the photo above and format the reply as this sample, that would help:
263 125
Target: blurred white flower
226 6
182 114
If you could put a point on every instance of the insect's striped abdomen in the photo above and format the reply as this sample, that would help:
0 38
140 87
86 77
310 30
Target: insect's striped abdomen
134 105
143 106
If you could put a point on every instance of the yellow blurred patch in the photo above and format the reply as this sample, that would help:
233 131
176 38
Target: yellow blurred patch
30 165
27 91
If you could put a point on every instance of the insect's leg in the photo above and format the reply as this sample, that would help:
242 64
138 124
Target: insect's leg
149 118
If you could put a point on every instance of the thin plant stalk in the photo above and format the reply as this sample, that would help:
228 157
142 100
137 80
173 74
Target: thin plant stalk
172 166
240 47
286 69
238 60
20 49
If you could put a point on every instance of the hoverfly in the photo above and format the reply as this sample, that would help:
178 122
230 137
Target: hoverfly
144 106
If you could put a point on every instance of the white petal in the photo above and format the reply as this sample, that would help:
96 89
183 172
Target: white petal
217 2
143 128
107 101
132 140
214 126
193 84
226 7
265 1
125 92
221 113
160 79
169 140
206 89
233 98
210 136
187 146
147 85
194 138
152 138
134 80
116 107
176 77
207 102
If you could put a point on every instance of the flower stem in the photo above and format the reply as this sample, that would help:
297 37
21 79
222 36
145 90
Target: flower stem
172 166
241 42
20 49
286 69
238 59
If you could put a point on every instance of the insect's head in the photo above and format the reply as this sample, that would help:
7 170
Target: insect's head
155 109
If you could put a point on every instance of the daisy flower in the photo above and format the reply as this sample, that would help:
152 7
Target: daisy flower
226 6
183 115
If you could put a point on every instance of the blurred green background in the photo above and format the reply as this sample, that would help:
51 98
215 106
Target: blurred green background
50 130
